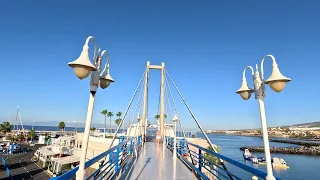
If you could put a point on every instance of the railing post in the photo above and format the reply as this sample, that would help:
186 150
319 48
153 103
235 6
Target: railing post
200 160
166 138
139 140
117 160
131 147
172 143
181 147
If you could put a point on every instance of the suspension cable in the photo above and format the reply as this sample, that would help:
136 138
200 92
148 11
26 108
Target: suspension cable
125 114
195 119
138 107
158 113
175 107
168 102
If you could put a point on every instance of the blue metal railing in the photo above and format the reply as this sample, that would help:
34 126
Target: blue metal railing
118 158
202 159
7 168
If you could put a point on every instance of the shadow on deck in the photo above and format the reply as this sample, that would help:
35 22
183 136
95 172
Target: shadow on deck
157 162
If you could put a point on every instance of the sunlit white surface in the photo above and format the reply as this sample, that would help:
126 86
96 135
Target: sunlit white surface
157 163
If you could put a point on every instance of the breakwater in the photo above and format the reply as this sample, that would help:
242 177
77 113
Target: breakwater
307 144
302 150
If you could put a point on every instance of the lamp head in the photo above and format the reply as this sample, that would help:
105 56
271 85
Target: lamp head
175 118
105 81
138 117
277 81
245 91
82 66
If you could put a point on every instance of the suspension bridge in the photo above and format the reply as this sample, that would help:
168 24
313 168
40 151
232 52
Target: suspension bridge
161 154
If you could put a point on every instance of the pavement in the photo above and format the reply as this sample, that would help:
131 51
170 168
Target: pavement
22 167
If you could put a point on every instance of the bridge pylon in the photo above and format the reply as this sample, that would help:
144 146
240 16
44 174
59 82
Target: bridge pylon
162 98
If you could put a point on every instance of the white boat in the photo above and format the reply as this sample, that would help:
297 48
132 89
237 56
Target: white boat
279 163
250 157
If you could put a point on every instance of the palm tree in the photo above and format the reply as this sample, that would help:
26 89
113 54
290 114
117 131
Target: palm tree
5 127
93 129
61 126
104 112
157 116
32 134
118 121
20 137
119 115
110 114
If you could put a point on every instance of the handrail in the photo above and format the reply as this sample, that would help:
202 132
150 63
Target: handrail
70 174
203 161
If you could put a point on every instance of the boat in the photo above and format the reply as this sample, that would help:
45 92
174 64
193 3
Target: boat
279 163
250 157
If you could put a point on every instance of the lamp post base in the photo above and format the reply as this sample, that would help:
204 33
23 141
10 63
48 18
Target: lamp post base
80 174
270 178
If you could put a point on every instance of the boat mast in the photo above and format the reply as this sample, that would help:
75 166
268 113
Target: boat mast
33 124
15 121
20 120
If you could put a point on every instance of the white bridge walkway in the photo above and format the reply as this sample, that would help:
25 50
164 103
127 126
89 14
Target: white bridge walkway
157 163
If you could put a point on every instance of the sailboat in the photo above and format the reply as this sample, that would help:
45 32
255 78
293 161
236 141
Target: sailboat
16 121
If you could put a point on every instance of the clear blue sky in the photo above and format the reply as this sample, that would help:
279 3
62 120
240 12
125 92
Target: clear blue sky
205 47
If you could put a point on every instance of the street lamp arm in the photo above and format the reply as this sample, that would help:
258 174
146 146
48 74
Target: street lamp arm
261 66
96 49
244 72
106 67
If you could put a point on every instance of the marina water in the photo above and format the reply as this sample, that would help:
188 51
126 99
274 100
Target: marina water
301 166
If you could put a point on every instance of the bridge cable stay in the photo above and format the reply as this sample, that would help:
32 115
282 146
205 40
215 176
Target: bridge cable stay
138 108
167 114
159 101
175 107
170 106
129 105
197 122
168 102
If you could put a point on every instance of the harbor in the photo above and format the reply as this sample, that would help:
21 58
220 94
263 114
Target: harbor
159 90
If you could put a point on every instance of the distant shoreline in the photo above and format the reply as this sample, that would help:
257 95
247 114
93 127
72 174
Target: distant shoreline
270 137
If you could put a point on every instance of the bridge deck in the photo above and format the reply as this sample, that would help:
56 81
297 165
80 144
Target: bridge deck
156 162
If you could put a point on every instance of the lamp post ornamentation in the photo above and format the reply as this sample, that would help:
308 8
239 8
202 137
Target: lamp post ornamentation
277 83
82 68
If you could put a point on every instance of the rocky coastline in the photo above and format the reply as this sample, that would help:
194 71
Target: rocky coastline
302 150
307 144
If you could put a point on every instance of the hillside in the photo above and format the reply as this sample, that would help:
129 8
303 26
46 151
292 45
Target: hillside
307 125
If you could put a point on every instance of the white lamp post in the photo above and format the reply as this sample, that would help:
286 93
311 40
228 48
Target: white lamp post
175 119
138 119
277 83
82 68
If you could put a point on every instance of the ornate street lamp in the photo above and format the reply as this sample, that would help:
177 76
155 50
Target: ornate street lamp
277 83
82 68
